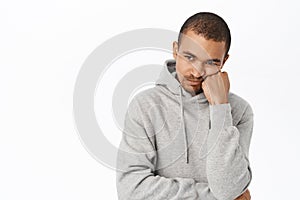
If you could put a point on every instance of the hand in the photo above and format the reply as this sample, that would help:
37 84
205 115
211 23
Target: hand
245 196
216 88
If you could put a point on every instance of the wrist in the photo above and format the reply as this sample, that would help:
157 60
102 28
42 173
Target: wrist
219 102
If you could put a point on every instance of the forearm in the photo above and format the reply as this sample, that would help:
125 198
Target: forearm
137 181
228 169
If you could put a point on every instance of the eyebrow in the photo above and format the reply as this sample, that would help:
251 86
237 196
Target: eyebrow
191 54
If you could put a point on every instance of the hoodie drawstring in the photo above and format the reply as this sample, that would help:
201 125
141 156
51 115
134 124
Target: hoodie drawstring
183 127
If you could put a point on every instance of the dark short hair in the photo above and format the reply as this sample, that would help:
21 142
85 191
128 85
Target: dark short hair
208 25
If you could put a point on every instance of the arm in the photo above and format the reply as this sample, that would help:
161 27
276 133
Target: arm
136 165
228 168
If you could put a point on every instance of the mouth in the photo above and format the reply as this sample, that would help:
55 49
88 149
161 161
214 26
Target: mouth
194 82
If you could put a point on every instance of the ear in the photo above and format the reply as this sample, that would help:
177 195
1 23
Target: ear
225 59
175 49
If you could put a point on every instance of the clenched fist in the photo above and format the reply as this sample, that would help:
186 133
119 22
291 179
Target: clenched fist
216 88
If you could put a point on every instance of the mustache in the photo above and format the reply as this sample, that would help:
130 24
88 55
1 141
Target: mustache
193 78
202 78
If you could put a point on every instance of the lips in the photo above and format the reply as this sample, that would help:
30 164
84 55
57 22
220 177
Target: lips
194 82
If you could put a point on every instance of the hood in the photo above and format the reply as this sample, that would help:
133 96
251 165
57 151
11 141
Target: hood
168 79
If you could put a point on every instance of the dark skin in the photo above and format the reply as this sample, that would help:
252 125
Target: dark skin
245 196
195 79
216 86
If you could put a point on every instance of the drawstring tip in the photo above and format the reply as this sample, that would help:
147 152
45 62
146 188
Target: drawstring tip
186 157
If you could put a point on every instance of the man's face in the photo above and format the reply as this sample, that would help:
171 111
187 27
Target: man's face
196 58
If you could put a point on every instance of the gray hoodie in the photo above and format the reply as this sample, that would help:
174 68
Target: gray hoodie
178 146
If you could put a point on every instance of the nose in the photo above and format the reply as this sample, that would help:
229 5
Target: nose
197 71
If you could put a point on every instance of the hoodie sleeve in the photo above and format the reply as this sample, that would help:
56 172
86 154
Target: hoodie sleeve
228 169
135 173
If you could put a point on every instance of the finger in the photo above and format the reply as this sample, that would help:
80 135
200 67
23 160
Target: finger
244 196
209 75
247 194
206 91
224 75
226 81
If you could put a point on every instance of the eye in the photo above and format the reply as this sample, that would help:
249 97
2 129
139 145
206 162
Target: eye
212 63
189 57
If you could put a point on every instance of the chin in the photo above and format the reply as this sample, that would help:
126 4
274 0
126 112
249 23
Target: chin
193 90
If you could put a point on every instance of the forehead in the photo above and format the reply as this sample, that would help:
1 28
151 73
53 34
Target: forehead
202 47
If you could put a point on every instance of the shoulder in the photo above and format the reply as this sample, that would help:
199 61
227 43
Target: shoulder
150 96
146 98
145 106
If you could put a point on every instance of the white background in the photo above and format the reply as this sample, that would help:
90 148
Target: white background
44 43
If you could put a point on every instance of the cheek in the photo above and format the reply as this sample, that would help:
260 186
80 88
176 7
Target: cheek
181 68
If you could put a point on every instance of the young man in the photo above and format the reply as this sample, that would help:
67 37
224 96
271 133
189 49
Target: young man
188 137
